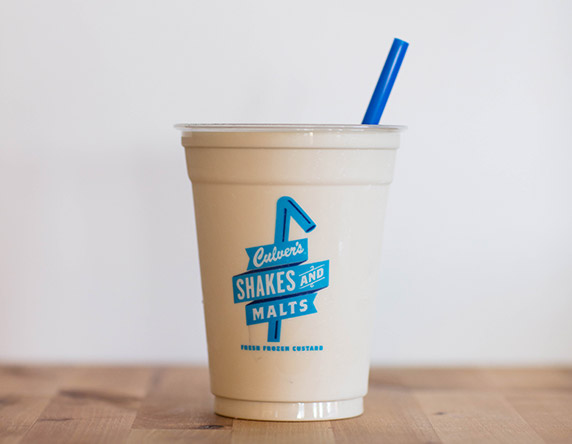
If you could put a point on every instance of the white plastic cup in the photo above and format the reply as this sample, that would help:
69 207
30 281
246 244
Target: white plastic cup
289 224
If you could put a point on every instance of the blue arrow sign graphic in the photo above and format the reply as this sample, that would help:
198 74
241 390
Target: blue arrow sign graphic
277 285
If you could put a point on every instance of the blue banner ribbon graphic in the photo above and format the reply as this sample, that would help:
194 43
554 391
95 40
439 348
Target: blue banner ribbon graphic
277 282
280 309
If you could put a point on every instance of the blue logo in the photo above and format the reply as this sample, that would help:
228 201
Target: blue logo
277 285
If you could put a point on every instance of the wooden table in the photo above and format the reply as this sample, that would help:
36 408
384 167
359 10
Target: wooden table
173 404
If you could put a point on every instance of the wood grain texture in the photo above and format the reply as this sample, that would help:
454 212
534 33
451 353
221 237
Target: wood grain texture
24 394
463 416
179 398
173 405
549 413
246 432
92 405
392 415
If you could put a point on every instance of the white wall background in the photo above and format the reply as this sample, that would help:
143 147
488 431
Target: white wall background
98 257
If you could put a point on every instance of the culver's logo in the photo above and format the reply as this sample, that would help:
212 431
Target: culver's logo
272 254
277 284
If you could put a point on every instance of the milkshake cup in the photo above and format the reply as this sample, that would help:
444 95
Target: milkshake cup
289 224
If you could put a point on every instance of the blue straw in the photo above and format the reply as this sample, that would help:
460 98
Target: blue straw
385 82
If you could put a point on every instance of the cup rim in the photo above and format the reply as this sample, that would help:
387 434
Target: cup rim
285 127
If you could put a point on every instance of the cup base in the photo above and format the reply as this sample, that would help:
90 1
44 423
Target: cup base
288 411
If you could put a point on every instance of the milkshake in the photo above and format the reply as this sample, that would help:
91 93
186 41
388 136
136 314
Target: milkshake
289 225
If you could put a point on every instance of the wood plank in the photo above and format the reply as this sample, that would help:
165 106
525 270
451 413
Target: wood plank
254 432
30 381
430 378
549 413
144 436
541 378
179 398
466 416
24 394
96 404
126 381
18 414
391 414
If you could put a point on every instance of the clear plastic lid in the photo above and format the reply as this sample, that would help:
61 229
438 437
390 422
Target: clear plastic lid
233 128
